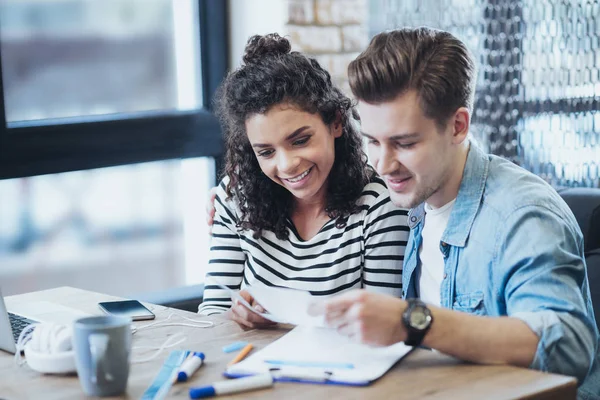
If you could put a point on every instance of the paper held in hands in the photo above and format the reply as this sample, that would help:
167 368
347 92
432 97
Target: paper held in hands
287 305
311 352
283 305
317 355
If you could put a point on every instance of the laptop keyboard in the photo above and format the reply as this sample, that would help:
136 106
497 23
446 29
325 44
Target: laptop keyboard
18 323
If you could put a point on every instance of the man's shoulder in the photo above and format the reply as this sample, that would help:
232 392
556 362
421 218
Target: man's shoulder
509 187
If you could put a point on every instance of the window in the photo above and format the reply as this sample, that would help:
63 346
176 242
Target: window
89 84
118 230
80 58
86 87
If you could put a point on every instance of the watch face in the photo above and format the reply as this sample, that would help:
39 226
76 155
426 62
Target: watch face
419 318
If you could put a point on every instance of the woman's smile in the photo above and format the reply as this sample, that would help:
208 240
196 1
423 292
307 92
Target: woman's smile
299 180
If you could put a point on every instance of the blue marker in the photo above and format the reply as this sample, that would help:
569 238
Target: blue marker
189 366
234 347
233 386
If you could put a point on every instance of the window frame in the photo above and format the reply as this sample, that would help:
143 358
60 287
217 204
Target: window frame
61 145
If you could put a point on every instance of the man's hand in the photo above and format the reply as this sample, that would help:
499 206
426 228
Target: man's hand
210 208
369 318
246 318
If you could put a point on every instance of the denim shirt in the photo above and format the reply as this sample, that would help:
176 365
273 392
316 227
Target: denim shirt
512 247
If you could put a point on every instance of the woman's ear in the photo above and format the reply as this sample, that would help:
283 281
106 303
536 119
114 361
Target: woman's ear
337 128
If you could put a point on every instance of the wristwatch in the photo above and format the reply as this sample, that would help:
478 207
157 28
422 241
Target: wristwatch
417 319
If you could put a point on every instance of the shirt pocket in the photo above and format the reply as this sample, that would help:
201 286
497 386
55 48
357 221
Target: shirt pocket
471 303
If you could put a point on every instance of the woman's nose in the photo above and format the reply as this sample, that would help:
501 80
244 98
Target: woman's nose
287 163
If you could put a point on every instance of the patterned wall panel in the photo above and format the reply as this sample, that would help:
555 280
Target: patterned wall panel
539 77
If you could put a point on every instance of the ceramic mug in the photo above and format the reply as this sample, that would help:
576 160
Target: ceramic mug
102 347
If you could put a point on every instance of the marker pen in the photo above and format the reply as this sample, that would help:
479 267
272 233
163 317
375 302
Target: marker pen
232 386
234 347
189 366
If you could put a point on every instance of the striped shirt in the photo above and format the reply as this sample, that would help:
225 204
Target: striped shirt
367 253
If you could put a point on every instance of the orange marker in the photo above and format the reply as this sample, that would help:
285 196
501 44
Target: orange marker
240 356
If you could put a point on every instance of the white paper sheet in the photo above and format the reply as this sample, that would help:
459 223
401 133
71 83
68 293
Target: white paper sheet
321 355
235 296
287 305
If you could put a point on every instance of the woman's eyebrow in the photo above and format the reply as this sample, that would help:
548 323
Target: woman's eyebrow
291 136
297 132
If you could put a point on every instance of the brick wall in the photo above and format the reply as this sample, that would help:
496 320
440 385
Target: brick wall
332 31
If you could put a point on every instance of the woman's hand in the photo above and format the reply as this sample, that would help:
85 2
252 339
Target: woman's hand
246 318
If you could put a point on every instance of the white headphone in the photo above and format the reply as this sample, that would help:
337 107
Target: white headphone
48 348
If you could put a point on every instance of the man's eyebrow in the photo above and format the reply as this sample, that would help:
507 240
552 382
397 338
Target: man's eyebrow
291 136
411 135
366 135
402 136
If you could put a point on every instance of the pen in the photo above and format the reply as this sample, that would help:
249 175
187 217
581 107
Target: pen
232 386
240 356
301 374
189 366
234 347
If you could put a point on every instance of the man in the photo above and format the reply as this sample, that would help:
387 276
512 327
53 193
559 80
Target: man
494 271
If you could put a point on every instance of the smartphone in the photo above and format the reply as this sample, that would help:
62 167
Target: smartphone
127 308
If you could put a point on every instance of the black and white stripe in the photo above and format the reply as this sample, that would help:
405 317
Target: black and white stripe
367 253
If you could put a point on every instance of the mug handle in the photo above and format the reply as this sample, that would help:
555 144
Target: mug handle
98 345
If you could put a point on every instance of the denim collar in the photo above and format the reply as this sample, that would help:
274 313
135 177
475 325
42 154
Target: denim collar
470 194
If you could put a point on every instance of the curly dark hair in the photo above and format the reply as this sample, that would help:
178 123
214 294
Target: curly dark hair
272 74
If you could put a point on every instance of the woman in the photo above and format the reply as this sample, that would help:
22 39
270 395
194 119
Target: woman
299 207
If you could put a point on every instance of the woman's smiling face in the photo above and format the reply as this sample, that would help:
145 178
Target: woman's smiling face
295 149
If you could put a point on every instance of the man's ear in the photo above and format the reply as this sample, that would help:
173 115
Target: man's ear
337 128
461 125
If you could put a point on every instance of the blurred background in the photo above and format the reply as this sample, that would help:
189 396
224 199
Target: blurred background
108 146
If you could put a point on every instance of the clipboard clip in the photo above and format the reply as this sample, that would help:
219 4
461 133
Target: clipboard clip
300 374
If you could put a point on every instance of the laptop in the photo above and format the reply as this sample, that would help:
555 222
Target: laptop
13 323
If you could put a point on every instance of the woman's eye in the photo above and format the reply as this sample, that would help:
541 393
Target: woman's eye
265 153
405 145
301 141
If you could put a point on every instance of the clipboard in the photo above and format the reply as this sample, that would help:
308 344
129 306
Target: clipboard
320 356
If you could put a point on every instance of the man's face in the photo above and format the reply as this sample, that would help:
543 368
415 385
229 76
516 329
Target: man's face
410 152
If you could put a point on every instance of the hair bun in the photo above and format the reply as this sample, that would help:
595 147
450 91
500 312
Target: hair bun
260 46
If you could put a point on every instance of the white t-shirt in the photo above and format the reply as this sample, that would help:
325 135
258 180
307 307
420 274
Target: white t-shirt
430 255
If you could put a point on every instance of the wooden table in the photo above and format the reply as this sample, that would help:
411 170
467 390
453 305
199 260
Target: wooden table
421 375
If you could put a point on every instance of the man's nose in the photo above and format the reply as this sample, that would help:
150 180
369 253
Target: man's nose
387 163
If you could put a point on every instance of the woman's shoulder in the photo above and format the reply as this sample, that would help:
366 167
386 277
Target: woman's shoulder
223 198
374 192
222 185
378 210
